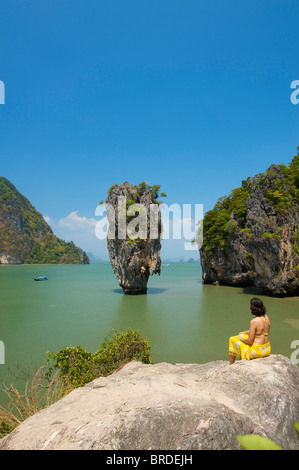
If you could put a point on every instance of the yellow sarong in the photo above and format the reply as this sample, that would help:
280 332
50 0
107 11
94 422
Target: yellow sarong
237 348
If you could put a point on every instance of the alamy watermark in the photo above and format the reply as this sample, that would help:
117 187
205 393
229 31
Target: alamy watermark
136 221
295 354
2 353
2 93
295 94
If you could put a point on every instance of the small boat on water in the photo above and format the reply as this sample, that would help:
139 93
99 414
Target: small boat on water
41 278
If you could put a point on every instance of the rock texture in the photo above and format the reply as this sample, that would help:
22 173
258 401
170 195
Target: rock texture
165 406
133 259
261 248
25 237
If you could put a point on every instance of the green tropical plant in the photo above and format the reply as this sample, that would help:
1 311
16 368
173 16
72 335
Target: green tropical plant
257 442
77 366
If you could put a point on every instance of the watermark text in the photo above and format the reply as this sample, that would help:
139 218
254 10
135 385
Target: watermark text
152 459
295 354
2 353
138 222
2 93
295 94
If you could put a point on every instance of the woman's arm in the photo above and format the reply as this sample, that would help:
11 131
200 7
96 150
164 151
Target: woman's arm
251 334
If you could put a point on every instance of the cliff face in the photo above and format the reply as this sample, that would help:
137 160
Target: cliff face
166 406
251 238
133 258
25 237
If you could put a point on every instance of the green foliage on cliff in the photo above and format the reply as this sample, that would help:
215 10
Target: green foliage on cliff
78 367
134 208
271 236
135 192
25 237
218 224
228 218
286 190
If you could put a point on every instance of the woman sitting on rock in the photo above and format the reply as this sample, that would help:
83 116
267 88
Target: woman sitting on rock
254 342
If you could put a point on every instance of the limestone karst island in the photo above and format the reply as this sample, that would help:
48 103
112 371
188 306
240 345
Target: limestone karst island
251 237
25 236
133 258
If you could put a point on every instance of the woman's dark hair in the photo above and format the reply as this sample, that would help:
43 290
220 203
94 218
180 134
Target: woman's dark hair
257 307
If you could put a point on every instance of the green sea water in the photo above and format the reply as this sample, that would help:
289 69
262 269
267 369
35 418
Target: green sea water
184 320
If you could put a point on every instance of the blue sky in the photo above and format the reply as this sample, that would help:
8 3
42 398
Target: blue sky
191 95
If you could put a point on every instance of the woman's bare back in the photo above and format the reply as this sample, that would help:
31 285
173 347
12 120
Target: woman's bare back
262 325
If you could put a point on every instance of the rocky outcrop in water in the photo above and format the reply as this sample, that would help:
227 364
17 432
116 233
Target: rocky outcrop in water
166 406
25 236
251 237
134 249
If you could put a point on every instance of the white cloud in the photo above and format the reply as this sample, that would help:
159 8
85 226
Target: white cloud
178 230
74 222
80 230
49 220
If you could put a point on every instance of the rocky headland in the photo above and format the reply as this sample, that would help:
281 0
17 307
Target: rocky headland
134 254
251 237
166 406
25 236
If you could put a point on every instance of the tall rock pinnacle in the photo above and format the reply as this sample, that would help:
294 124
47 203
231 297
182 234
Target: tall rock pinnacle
134 234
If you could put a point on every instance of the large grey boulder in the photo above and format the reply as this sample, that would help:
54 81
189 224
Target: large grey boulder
165 406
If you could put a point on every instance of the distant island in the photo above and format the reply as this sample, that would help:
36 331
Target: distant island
251 237
25 236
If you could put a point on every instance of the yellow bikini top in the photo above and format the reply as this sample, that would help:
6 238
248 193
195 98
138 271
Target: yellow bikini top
264 334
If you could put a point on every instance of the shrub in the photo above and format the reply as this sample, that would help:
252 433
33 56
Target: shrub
295 249
271 236
77 366
122 348
248 233
232 227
